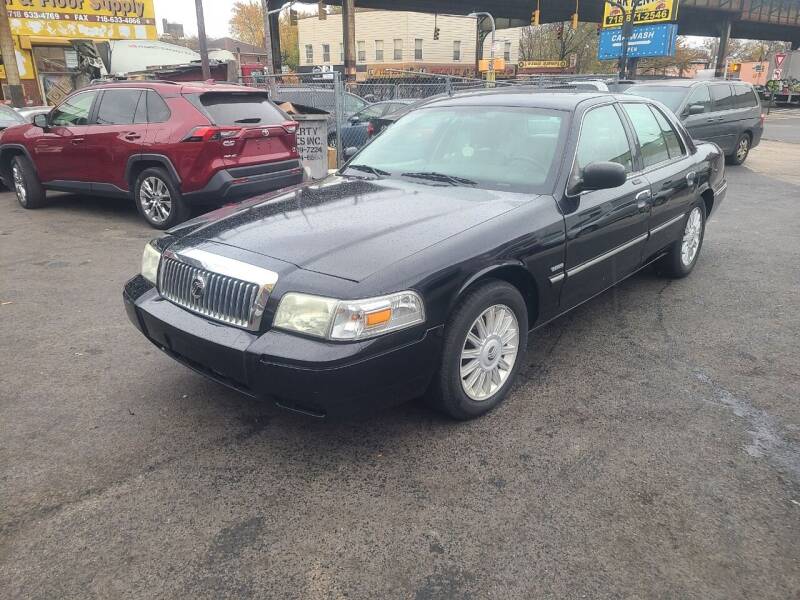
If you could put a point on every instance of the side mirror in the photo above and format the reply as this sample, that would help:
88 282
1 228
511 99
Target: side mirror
350 152
602 176
40 120
695 109
355 119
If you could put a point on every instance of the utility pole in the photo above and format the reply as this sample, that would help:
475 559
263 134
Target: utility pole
626 31
10 58
267 36
490 73
201 37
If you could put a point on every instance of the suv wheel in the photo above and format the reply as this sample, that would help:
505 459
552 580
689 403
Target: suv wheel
27 186
158 199
485 342
742 150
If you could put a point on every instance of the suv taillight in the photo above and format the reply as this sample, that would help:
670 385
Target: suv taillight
209 134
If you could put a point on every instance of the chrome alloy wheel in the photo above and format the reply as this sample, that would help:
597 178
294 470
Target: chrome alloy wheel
742 148
691 236
156 200
489 352
19 184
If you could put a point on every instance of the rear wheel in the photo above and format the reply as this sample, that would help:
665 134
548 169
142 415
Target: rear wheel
683 254
742 150
485 342
29 190
158 199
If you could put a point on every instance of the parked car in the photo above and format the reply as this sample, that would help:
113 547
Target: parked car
9 117
28 112
361 126
421 266
166 145
321 98
727 113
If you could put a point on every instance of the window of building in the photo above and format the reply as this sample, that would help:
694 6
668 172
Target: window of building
456 50
379 50
418 49
309 54
341 53
362 51
398 49
652 144
326 53
507 51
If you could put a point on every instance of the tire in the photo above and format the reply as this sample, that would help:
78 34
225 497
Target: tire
448 393
742 150
675 264
158 199
29 190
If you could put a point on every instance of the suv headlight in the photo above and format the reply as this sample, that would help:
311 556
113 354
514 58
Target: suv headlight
150 259
348 319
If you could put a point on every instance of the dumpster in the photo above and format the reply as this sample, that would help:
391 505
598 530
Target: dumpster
312 137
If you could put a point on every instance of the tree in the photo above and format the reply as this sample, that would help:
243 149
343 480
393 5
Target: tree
247 25
679 64
542 43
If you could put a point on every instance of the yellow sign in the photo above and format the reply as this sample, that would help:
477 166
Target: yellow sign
24 64
654 11
542 64
499 65
94 19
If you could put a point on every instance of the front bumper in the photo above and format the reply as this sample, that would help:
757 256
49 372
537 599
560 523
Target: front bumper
241 182
315 377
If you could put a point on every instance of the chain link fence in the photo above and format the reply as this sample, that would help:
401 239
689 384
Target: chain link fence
355 111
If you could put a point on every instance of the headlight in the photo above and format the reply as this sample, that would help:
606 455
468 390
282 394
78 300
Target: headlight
150 259
348 319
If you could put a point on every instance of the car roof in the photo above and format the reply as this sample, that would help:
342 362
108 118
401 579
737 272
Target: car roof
171 87
530 96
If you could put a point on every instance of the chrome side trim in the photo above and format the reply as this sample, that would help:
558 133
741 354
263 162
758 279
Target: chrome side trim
556 278
721 188
667 224
605 255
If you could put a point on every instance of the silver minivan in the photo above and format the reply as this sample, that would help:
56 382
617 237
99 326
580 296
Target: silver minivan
727 113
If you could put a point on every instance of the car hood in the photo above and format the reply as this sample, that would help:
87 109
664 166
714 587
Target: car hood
349 228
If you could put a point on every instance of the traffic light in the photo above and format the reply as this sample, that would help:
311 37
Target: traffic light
575 20
436 33
560 31
599 28
535 17
292 17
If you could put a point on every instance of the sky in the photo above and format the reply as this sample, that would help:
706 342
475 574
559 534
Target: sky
217 14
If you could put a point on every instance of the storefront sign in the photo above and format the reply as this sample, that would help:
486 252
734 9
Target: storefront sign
646 41
97 19
542 64
655 11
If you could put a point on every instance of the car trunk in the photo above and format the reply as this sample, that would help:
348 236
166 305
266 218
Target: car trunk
248 128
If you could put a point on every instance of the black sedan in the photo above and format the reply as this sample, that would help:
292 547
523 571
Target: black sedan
423 266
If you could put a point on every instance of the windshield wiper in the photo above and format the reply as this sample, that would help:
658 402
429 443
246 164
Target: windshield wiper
367 169
249 120
443 177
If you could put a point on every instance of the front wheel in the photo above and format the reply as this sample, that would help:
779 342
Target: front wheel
29 190
485 341
158 199
682 255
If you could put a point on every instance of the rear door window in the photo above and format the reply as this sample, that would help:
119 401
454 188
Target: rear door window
242 109
118 107
722 96
157 109
674 145
744 97
652 144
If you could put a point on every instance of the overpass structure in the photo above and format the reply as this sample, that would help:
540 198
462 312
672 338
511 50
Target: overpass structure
746 19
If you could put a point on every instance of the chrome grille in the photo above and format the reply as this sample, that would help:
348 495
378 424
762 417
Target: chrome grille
186 280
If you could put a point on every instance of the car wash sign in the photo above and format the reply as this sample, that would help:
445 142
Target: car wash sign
646 41
96 19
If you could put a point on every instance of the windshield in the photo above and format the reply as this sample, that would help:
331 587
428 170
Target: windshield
501 148
236 108
670 96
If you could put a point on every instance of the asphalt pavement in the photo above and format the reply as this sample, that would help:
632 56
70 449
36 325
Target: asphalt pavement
651 448
783 124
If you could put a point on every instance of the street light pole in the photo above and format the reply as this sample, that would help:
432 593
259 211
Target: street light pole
201 38
626 31
490 74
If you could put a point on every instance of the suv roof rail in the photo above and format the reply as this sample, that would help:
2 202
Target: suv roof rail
133 81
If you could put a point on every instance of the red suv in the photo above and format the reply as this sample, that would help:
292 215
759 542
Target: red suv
167 145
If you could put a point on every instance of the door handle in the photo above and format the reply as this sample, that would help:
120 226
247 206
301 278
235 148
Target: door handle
77 141
642 200
132 136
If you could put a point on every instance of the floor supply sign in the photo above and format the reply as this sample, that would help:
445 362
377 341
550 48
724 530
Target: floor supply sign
645 41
